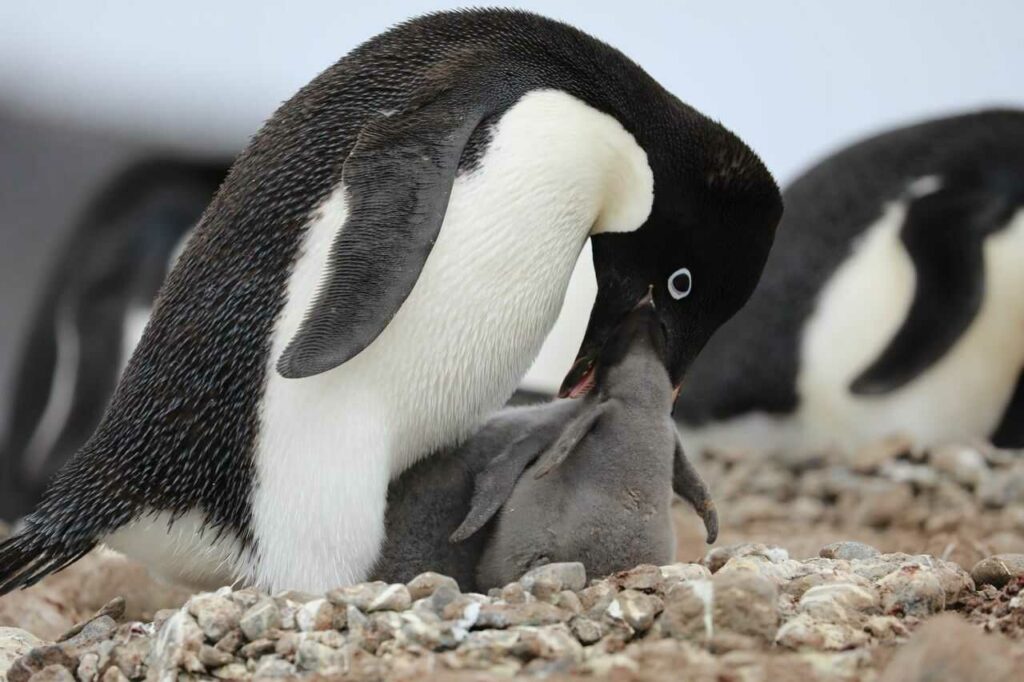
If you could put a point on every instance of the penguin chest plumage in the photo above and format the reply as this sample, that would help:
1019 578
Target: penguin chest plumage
554 171
964 393
477 316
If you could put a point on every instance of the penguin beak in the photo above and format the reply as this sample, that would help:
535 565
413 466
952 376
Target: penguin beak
582 375
580 379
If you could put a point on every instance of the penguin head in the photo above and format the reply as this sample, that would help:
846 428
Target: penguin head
700 252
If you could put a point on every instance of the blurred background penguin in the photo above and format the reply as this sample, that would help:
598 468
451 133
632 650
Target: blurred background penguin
892 303
94 305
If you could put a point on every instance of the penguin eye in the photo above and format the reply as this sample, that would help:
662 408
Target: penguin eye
680 283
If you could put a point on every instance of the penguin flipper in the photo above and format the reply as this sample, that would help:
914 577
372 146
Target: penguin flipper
398 177
574 432
943 233
688 484
493 486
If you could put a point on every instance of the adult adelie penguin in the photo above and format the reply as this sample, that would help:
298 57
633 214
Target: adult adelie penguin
892 301
94 306
376 274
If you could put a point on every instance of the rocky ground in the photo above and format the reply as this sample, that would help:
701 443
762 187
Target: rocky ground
886 565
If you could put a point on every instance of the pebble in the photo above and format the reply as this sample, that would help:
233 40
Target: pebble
912 590
948 649
53 673
587 631
316 657
510 615
317 614
807 632
964 464
644 577
635 608
882 503
88 667
998 570
848 551
425 584
15 643
274 666
839 602
549 579
261 617
746 604
870 459
719 556
215 614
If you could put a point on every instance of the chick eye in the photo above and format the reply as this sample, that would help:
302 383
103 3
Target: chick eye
680 283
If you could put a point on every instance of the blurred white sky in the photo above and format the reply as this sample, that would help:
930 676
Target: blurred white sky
794 78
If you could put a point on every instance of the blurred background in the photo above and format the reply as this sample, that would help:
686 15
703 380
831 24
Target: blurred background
87 88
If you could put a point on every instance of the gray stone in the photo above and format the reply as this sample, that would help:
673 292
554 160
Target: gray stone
586 630
314 615
114 674
746 604
88 668
839 602
550 579
316 657
257 648
870 459
15 643
596 598
232 671
261 617
53 673
130 654
848 550
274 666
688 611
393 598
216 615
212 657
177 645
998 570
947 649
425 584
719 556
806 632
674 573
912 590
882 503
635 608
963 464
530 613
644 577
359 596
36 659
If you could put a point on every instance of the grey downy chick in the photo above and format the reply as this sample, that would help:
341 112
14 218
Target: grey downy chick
430 500
601 493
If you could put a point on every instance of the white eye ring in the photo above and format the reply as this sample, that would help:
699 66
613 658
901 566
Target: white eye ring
674 290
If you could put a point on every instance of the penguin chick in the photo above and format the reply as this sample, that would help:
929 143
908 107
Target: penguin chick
600 493
431 500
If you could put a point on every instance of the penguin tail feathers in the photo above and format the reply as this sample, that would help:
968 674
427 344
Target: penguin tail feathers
27 558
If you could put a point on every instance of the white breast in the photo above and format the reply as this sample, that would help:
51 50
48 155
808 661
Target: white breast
963 395
487 296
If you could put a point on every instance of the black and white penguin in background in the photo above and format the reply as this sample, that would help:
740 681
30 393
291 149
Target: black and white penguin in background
375 276
892 302
93 308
